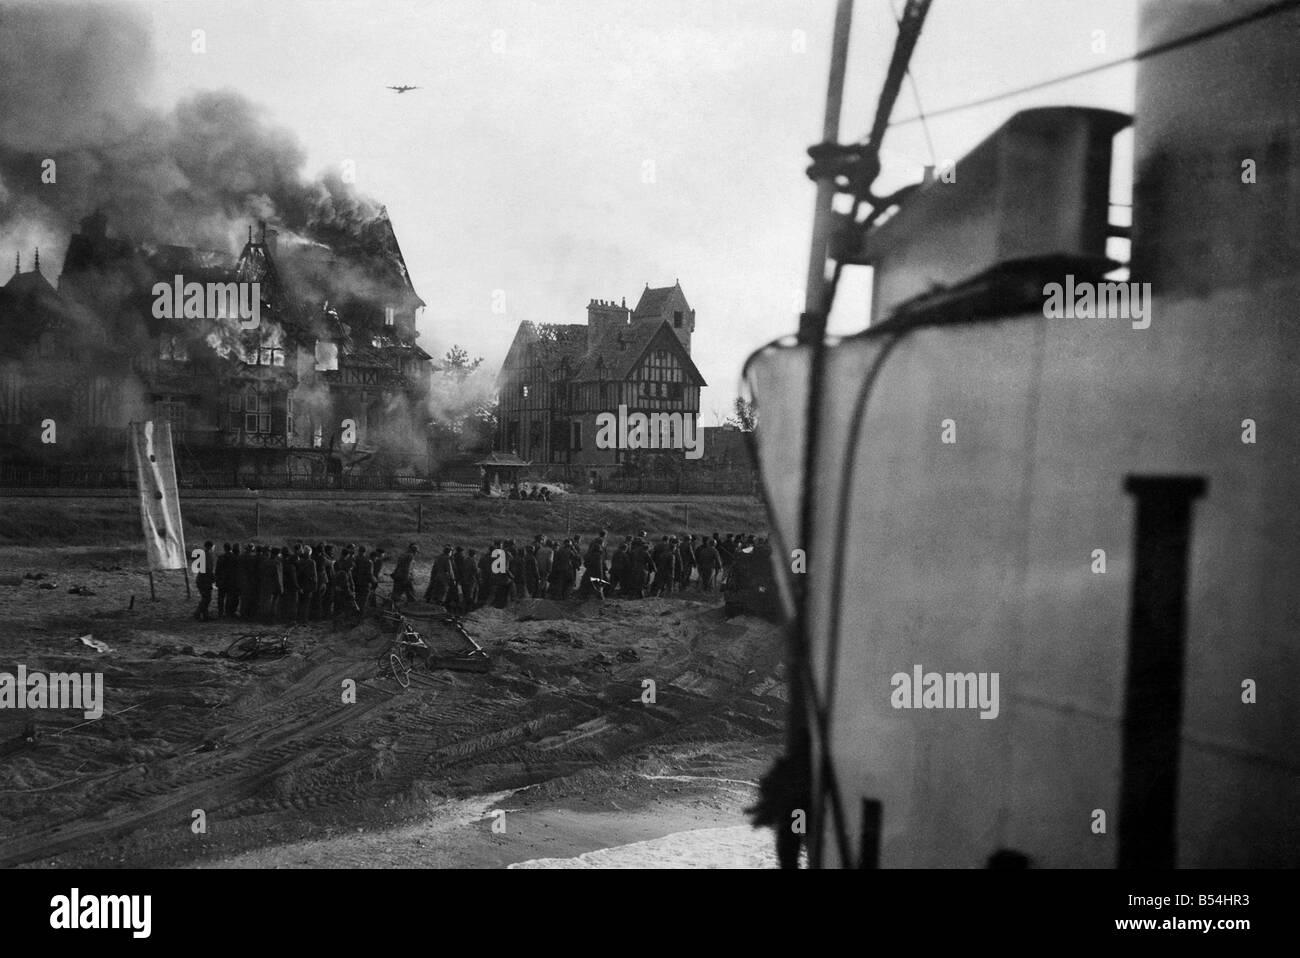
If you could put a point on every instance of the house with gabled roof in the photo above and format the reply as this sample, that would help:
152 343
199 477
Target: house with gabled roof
556 379
333 354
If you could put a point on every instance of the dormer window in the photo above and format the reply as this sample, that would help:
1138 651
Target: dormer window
677 319
390 316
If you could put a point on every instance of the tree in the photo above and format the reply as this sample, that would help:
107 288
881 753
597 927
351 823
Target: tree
461 403
457 363
746 416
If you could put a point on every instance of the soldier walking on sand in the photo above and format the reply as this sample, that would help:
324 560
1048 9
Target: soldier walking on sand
289 573
270 585
545 562
204 582
227 589
305 565
344 588
706 557
442 579
246 581
364 576
685 560
377 559
326 580
403 581
466 565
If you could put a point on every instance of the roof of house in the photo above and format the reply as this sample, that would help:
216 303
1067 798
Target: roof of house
616 351
29 306
603 353
653 299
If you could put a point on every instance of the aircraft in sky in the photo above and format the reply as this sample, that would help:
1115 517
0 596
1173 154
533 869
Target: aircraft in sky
403 89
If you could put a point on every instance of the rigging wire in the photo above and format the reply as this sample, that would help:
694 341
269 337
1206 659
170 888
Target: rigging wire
916 94
1198 36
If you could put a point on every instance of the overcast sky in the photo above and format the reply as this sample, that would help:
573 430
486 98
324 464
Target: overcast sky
521 164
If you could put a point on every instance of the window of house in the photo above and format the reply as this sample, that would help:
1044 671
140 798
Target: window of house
674 390
265 356
257 413
318 437
576 431
525 391
173 349
390 316
677 319
288 415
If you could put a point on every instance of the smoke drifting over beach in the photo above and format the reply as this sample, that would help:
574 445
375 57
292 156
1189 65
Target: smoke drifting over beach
73 81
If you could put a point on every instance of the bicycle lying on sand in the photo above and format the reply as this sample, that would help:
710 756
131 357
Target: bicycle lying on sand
399 657
407 649
254 645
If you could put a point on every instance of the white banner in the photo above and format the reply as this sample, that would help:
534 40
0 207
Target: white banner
160 504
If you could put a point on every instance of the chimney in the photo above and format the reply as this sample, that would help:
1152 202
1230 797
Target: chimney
603 316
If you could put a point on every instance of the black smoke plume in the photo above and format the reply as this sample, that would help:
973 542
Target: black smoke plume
73 83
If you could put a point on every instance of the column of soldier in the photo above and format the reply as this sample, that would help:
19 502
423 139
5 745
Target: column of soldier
302 583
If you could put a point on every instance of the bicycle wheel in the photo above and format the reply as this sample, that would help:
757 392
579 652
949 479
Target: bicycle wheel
244 647
400 670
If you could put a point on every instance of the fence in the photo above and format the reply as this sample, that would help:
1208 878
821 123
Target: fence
82 476
92 477
676 485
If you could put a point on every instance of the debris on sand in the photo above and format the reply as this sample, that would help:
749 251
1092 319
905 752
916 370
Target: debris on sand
34 575
94 643
540 610
47 585
81 590
11 580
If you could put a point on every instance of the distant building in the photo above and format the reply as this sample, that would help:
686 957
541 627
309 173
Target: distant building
556 379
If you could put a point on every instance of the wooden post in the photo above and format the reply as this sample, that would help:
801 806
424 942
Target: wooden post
185 571
257 519
153 596
419 517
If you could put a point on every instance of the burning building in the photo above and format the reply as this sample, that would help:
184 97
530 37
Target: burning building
328 376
